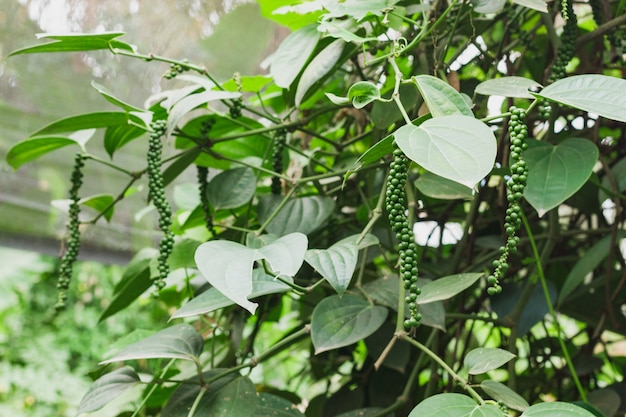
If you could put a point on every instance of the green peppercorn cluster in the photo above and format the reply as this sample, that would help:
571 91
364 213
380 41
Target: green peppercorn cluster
237 104
203 185
157 195
518 132
564 54
175 70
395 202
280 140
73 240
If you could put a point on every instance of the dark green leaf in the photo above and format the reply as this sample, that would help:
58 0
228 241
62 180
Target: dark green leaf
107 388
606 400
534 310
232 188
304 215
117 136
482 360
447 287
555 173
180 164
31 149
318 68
84 121
76 42
453 405
378 151
338 322
292 54
507 87
619 174
594 93
384 113
434 186
269 405
459 148
556 409
100 203
441 98
504 394
358 9
363 412
180 341
230 396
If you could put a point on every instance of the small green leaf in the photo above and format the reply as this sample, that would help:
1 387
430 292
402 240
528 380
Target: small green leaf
338 322
76 42
284 255
446 287
269 405
292 54
84 121
304 215
107 388
587 263
441 98
482 360
556 409
594 93
555 173
181 341
504 394
335 99
432 185
507 87
232 188
459 148
363 93
539 5
100 203
108 95
337 263
230 396
180 164
33 148
453 405
134 282
117 136
318 68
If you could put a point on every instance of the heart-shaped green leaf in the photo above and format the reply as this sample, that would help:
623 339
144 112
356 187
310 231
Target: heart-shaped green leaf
594 93
232 188
338 322
304 214
181 341
459 148
269 405
441 98
556 409
337 263
453 405
107 388
435 186
555 173
481 360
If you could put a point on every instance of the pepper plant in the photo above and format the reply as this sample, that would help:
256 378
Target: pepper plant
315 272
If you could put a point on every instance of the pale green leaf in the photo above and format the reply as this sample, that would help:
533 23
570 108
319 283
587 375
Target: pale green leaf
504 394
482 360
488 6
194 101
338 322
453 405
304 215
292 54
459 148
594 93
285 254
556 409
432 185
441 98
100 203
318 68
181 341
107 388
357 9
507 87
555 173
447 287
539 5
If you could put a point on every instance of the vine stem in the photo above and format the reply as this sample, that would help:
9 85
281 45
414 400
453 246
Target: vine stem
544 285
145 399
458 378
196 402
275 212
396 91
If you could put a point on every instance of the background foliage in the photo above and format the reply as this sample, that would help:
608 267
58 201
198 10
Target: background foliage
491 134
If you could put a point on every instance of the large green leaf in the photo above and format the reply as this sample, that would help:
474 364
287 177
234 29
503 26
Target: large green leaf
341 321
482 360
504 394
292 54
435 186
534 310
507 87
453 405
555 173
228 265
447 287
180 341
269 405
459 148
76 42
594 93
119 135
441 98
337 263
587 263
304 214
318 68
84 121
107 388
230 396
556 409
31 149
232 188
193 101
134 282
